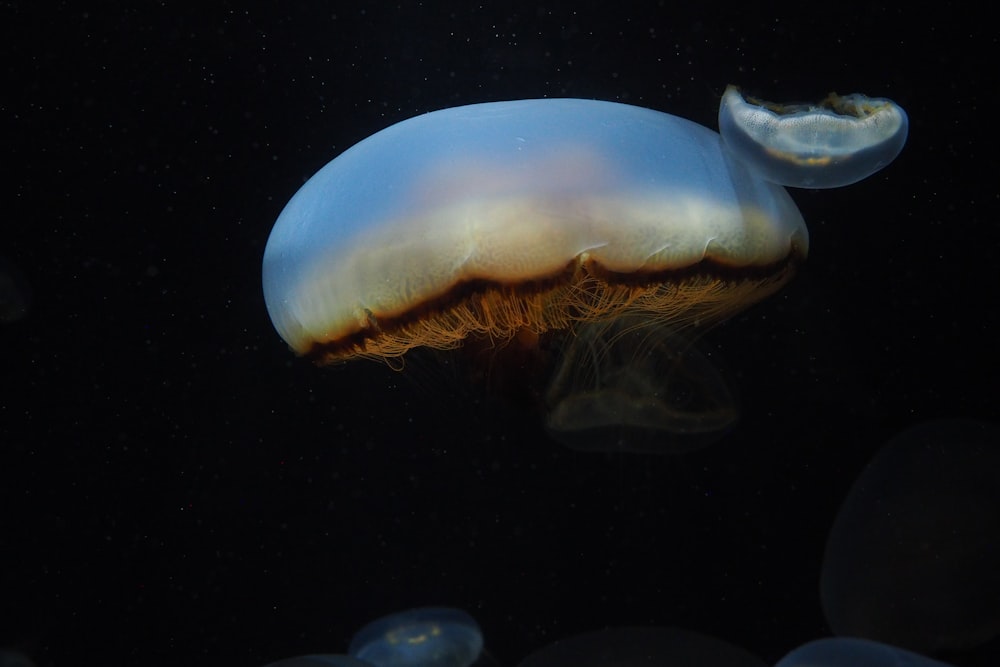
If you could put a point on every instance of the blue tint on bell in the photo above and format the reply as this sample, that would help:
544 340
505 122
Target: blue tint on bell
837 142
850 652
423 637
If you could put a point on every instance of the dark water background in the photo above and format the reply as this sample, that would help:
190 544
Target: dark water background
177 488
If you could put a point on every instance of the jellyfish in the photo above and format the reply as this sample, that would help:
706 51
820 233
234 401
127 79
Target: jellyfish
15 294
12 658
837 142
423 637
911 559
542 223
852 652
626 386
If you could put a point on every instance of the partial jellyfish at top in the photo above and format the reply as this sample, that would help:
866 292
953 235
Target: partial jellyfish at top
911 559
551 224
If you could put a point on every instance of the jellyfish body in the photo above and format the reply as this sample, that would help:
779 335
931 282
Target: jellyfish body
516 220
15 294
852 652
839 141
626 385
535 214
423 637
911 557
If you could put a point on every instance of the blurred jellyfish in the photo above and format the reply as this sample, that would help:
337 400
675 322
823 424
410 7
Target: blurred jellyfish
912 558
641 647
624 385
839 652
425 637
15 294
12 658
532 220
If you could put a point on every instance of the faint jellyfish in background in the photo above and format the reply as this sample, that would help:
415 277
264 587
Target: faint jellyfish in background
850 652
15 294
913 558
12 658
641 647
626 385
545 222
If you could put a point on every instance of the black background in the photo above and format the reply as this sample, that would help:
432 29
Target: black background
178 488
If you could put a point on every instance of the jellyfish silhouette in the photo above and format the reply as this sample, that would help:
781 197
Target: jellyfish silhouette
628 385
15 294
852 652
536 221
911 559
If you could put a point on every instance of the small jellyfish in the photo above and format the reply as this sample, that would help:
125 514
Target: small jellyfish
425 637
834 143
533 220
911 559
850 652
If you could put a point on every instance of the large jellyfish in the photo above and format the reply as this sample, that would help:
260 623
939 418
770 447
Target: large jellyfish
543 223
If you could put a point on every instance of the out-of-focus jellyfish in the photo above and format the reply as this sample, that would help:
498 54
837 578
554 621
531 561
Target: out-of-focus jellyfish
641 647
627 386
912 557
12 658
426 637
850 652
534 219
15 294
